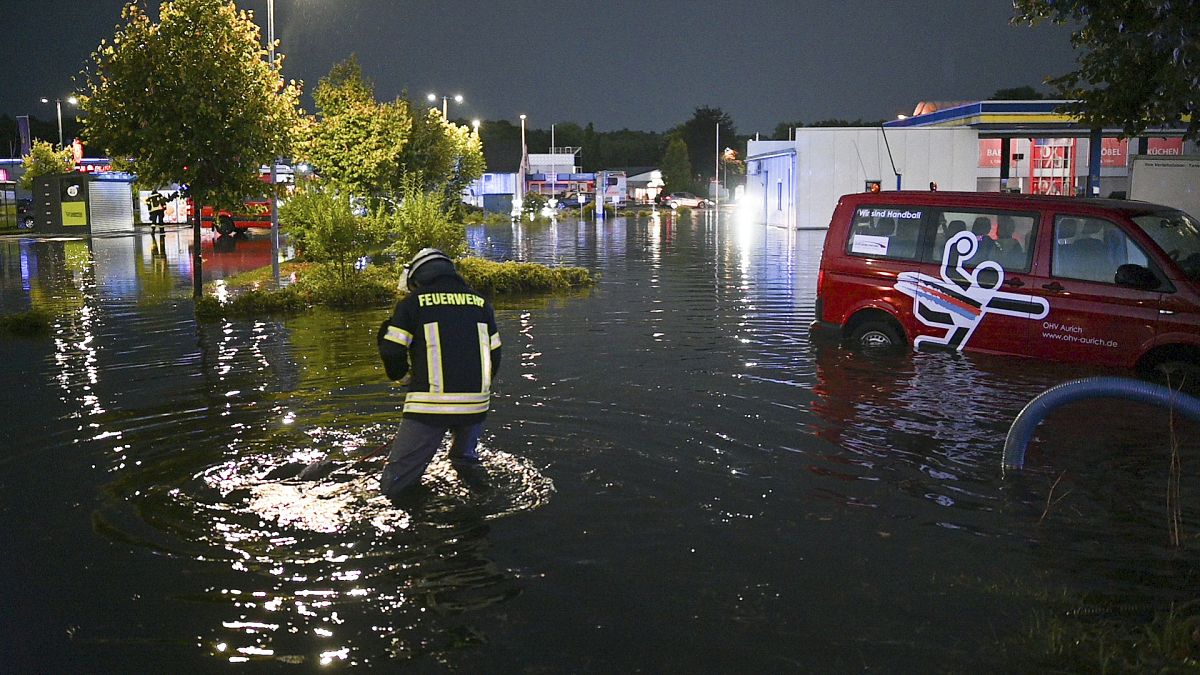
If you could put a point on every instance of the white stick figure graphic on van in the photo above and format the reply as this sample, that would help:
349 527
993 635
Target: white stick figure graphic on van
959 300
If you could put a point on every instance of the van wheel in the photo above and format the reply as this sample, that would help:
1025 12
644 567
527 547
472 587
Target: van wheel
1177 373
876 335
225 226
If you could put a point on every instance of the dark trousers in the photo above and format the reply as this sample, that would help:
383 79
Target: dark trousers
415 445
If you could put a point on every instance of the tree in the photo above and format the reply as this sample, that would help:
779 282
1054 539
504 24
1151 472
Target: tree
700 136
445 155
355 141
44 160
1025 93
784 130
326 229
192 99
1139 61
676 168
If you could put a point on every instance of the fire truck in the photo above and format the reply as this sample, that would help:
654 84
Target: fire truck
255 211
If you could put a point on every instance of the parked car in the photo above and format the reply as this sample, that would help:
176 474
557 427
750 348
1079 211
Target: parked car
570 200
677 199
1106 282
25 213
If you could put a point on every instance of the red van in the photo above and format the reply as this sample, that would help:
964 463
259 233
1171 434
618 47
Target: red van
1084 280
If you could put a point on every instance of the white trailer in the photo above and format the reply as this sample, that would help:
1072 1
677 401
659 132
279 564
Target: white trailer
797 184
1170 181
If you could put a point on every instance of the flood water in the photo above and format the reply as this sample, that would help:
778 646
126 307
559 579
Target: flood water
677 479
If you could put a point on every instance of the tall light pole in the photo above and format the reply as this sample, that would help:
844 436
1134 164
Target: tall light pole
274 160
433 97
58 107
523 156
717 171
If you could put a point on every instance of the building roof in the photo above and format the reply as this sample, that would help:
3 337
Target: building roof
997 119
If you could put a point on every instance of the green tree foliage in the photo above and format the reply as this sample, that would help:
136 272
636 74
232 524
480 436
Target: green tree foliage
324 227
191 99
676 168
44 160
700 135
1139 60
445 156
784 130
354 141
420 220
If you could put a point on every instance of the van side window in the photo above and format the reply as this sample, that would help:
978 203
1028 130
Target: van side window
886 232
1000 237
1091 249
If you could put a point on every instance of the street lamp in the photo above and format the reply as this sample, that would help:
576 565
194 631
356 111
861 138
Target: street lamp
58 107
433 97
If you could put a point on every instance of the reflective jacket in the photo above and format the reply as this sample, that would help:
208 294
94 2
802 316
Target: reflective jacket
442 340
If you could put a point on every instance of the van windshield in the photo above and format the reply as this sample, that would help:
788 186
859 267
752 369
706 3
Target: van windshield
1178 235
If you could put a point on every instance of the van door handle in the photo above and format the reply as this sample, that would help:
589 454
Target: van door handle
1015 283
1053 286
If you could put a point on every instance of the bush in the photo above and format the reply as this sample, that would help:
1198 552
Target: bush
44 160
684 211
498 278
316 284
33 323
322 224
420 221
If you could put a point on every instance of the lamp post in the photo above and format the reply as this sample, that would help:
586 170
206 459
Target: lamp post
58 108
274 160
433 97
521 187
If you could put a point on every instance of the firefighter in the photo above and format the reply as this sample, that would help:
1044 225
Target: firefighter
442 342
156 203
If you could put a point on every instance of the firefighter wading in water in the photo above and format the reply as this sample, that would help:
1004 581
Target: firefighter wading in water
442 342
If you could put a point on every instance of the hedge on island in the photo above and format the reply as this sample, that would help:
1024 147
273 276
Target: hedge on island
314 284
31 323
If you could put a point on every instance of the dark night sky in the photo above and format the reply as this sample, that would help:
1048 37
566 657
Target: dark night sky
643 65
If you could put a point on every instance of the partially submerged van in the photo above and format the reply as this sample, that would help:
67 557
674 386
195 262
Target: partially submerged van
1084 280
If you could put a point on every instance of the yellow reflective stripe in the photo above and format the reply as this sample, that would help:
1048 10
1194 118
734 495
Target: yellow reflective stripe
446 408
495 341
447 397
398 335
433 357
485 358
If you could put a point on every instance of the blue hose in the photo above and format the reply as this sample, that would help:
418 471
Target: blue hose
1021 431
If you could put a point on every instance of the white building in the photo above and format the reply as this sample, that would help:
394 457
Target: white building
797 184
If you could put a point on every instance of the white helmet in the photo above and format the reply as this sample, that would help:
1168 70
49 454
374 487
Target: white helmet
425 266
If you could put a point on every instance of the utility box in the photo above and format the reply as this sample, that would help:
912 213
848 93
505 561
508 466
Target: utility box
80 204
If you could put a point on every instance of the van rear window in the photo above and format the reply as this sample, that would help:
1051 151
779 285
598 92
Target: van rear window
886 232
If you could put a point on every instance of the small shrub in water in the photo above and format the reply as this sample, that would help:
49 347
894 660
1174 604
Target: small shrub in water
33 323
500 278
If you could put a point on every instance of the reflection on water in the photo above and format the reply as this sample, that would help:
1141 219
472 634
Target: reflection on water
675 477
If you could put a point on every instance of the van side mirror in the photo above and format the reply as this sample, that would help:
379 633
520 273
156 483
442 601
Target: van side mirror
1136 276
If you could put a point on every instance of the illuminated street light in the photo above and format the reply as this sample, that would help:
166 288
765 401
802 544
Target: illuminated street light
58 107
433 97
